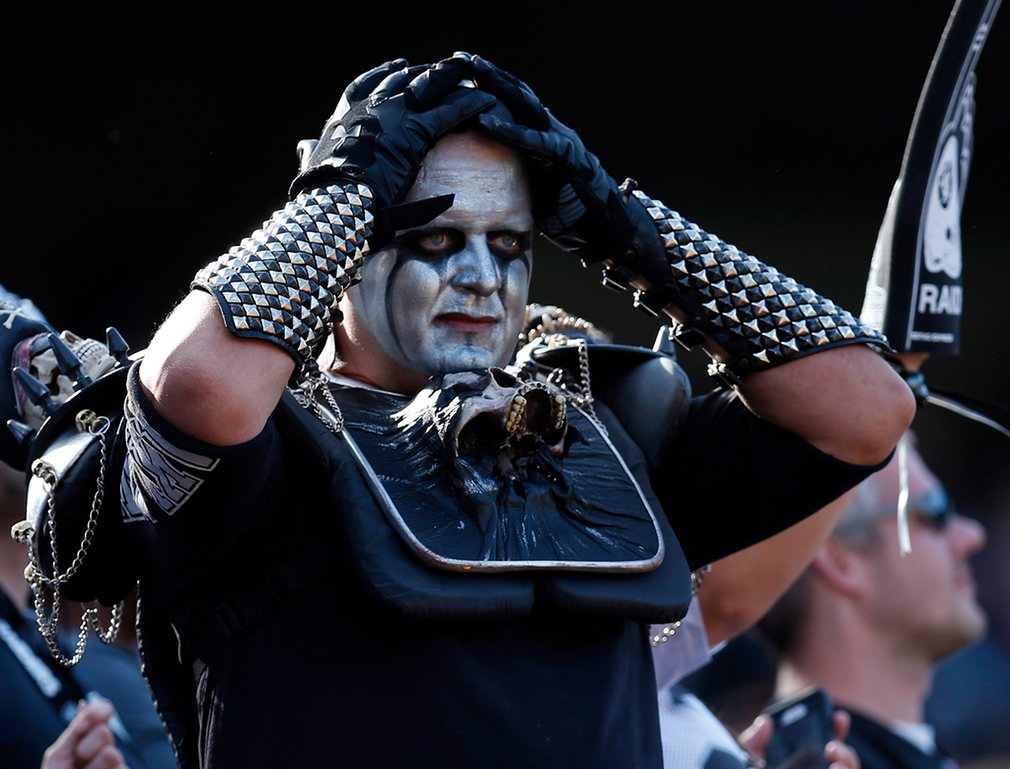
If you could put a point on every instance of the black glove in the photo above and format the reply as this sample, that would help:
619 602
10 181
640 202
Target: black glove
576 203
362 86
387 121
358 89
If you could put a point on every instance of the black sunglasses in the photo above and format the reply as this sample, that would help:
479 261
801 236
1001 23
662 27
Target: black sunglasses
934 508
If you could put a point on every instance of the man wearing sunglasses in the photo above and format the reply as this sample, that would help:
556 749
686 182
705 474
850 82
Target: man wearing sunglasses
869 624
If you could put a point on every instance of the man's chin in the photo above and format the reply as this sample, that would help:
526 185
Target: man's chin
965 628
467 358
977 624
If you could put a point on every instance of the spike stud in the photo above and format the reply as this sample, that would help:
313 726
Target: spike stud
68 362
118 348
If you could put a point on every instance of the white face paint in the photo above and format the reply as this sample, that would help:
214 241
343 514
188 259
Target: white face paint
450 295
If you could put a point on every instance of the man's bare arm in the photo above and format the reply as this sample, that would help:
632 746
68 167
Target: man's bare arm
848 402
743 586
210 384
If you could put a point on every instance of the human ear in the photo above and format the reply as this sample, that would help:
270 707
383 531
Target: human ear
841 568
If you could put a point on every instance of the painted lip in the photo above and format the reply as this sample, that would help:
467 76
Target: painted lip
465 322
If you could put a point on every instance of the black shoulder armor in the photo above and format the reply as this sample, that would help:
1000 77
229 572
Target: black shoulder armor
73 524
646 389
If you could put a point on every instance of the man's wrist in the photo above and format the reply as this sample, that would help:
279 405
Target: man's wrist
747 315
282 284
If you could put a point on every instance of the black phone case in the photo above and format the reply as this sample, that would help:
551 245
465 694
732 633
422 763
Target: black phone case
802 728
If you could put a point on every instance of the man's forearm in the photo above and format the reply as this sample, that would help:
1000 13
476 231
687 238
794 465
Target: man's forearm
210 384
799 360
218 366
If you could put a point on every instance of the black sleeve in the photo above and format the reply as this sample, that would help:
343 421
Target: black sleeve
189 504
732 479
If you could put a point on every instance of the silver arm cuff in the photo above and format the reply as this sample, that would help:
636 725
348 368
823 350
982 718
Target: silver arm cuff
282 284
759 316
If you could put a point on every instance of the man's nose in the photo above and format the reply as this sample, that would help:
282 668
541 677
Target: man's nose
967 535
475 268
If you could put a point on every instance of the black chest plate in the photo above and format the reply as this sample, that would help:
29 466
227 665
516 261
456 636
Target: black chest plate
584 511
439 535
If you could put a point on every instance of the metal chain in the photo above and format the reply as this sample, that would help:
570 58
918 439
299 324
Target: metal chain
587 391
306 397
586 401
48 621
108 635
698 576
48 618
96 425
583 399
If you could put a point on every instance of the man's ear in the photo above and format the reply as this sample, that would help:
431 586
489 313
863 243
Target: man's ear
840 567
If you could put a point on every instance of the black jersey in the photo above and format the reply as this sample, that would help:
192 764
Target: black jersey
333 675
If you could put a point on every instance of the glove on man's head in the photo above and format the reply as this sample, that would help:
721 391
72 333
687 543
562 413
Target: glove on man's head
386 121
576 203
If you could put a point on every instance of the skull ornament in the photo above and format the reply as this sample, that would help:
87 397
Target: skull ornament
492 410
37 356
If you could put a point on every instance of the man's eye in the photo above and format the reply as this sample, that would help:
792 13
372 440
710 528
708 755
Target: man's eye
435 243
507 244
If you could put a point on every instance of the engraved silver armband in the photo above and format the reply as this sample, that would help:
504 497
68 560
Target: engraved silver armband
759 316
282 284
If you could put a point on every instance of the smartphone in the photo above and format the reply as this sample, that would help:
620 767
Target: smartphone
803 726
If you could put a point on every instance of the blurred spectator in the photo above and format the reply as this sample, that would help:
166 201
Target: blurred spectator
738 683
732 596
40 697
970 701
870 625
87 742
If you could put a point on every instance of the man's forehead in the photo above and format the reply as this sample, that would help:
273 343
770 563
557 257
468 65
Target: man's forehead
487 179
920 478
502 215
876 498
467 148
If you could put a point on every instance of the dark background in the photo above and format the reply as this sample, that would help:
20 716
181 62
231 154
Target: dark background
141 143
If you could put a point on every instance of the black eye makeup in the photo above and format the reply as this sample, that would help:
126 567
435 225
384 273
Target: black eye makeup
508 244
441 242
432 244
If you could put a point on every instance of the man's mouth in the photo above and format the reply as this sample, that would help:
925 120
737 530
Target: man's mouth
965 580
465 322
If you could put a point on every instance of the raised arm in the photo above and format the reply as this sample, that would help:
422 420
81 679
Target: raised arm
798 360
277 292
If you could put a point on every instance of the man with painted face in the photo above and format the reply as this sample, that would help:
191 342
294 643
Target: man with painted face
451 294
397 544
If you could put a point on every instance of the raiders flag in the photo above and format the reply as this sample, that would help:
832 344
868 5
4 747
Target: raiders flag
914 292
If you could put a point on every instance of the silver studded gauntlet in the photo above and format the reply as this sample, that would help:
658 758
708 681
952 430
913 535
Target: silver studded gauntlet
759 316
282 283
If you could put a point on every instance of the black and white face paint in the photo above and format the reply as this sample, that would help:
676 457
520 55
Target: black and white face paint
451 295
